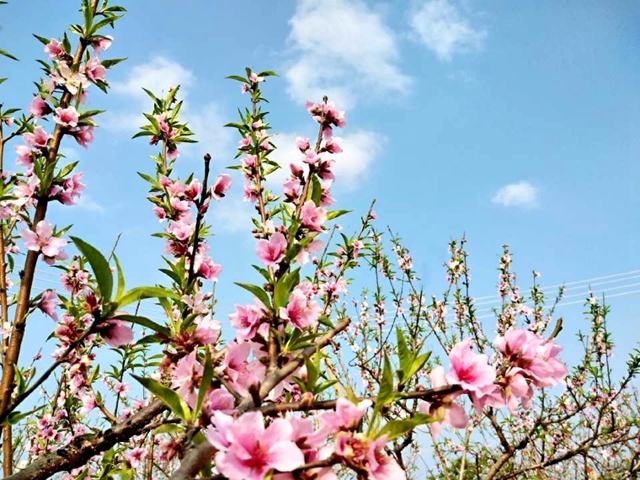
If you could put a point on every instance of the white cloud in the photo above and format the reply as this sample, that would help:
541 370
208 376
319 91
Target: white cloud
360 150
441 28
344 51
520 194
158 75
86 202
232 214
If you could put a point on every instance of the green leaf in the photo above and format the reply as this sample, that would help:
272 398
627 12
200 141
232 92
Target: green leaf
2 80
313 371
43 40
417 364
316 190
120 288
207 376
145 322
397 428
168 428
238 78
386 394
168 396
140 293
337 213
268 73
4 53
283 288
405 357
257 291
104 22
99 266
112 61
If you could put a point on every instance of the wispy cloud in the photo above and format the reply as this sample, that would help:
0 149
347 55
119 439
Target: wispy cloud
344 50
87 203
158 75
232 214
520 194
360 151
441 27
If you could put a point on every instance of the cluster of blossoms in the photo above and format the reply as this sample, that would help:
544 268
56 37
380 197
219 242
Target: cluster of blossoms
527 360
248 450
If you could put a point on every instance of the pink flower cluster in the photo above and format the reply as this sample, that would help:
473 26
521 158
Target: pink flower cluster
247 449
528 360
175 203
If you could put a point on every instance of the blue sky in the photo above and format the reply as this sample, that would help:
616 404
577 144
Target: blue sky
511 123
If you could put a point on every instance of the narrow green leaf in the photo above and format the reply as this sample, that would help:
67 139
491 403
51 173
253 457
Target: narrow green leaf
4 53
120 288
112 61
238 78
405 357
2 80
43 40
207 376
140 293
99 266
145 322
397 428
168 396
257 291
337 213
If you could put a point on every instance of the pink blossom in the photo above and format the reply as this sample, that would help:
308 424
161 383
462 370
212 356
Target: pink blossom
381 466
271 252
218 399
333 145
313 217
248 450
71 189
470 370
102 43
24 191
43 240
444 410
185 377
246 320
302 144
24 156
39 138
115 333
254 78
326 114
38 107
67 117
220 186
135 456
300 311
95 70
72 81
533 354
48 303
249 192
296 170
291 189
205 268
182 229
207 330
53 49
346 416
303 257
84 135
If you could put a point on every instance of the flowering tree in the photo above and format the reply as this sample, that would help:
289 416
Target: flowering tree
276 395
